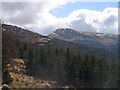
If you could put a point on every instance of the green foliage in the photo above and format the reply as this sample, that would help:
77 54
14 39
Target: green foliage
67 67
6 78
8 52
29 63
112 81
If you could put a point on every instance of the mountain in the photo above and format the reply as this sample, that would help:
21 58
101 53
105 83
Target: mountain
84 42
24 35
97 40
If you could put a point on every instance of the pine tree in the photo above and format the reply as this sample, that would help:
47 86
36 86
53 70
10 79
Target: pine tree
112 75
42 57
57 52
100 73
68 54
29 65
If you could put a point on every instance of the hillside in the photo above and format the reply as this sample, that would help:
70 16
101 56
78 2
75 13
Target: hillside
99 40
86 42
21 80
24 35
56 63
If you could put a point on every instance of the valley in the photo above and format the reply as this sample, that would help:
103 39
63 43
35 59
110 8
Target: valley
32 60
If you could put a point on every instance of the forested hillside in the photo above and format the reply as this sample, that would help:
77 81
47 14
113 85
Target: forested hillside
63 65
105 43
40 40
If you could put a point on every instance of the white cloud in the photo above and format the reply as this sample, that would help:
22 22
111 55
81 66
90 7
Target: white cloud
37 17
96 21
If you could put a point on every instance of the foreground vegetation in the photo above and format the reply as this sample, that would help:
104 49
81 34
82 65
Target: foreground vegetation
63 65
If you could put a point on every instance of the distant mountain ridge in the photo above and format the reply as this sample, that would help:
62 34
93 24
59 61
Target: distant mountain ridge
23 34
85 42
98 40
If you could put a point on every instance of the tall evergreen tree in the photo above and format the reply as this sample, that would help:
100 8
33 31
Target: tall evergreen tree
29 64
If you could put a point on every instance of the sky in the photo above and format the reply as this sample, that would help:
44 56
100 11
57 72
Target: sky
46 17
70 7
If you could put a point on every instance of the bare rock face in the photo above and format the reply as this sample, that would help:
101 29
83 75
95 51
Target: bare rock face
6 87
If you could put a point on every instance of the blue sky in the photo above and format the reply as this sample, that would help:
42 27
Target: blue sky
65 10
45 18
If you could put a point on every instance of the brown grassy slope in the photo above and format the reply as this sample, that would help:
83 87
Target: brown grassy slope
21 80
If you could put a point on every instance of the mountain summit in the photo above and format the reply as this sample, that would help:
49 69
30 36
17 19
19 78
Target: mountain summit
98 40
86 42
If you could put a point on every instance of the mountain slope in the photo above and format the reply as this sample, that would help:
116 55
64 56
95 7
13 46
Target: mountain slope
22 80
24 35
63 38
98 40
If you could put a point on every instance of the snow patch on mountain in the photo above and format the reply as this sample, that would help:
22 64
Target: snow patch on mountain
55 34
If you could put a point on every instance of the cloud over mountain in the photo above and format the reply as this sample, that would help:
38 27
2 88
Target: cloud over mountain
36 16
